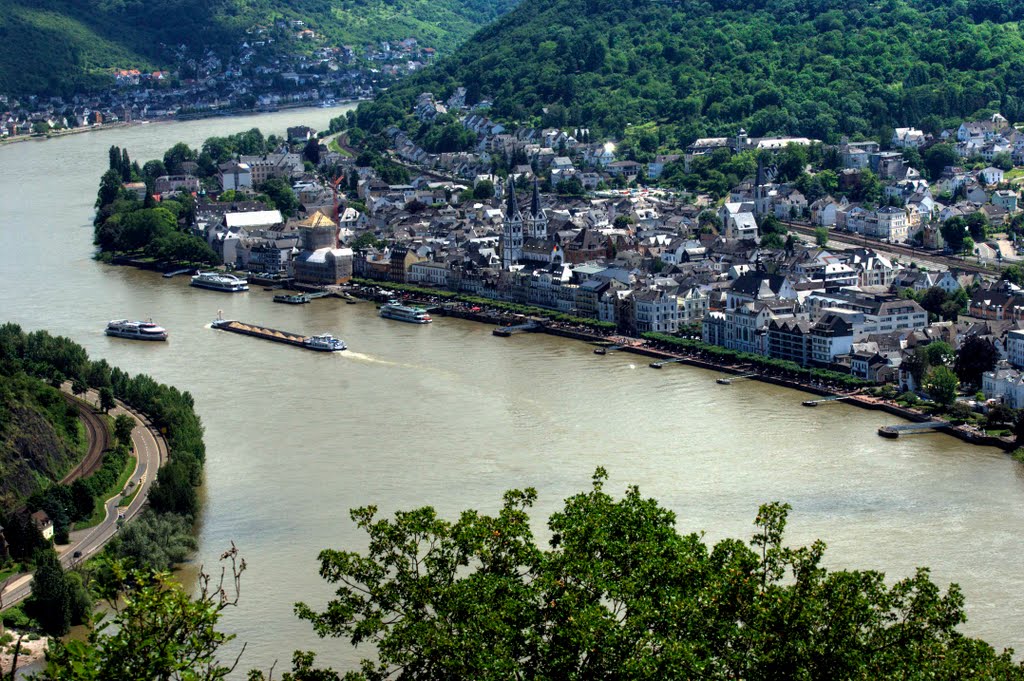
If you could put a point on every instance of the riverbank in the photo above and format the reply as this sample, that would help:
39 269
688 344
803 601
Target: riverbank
491 315
200 115
31 651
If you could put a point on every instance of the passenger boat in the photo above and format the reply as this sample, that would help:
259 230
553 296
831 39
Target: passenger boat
324 343
291 299
220 281
404 313
124 328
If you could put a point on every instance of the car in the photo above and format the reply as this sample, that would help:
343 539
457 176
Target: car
120 516
76 554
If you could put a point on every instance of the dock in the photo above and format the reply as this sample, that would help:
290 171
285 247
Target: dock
730 379
909 428
266 333
168 275
506 331
661 363
825 400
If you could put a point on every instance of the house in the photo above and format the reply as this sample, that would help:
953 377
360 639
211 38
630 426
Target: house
904 138
1005 384
1015 348
655 311
234 176
43 523
991 175
738 221
1005 199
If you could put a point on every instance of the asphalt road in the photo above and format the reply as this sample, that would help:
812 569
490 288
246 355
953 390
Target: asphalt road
151 452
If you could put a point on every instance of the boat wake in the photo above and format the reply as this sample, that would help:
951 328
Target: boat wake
365 358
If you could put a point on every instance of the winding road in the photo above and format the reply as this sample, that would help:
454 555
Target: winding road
151 452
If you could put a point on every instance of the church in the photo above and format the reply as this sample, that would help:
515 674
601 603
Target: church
525 239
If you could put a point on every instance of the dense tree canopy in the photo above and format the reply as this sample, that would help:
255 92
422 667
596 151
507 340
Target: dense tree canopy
693 68
620 593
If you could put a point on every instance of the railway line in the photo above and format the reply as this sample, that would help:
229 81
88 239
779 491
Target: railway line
914 253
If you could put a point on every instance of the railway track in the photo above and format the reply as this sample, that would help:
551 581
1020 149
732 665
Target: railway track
852 240
98 437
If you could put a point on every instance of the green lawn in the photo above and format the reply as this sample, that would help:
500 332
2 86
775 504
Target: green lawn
98 511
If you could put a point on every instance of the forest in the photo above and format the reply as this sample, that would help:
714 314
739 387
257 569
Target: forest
690 69
56 47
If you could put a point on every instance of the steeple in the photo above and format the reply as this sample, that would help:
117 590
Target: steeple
512 207
535 202
759 181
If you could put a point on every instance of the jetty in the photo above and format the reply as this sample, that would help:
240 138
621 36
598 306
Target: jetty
506 331
659 364
825 400
168 275
909 428
729 380
266 333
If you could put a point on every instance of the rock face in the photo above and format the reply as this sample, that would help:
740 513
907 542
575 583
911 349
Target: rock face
39 438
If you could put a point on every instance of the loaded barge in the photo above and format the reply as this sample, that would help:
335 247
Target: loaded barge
322 343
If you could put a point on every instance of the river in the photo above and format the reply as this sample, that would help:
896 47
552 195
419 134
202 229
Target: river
449 416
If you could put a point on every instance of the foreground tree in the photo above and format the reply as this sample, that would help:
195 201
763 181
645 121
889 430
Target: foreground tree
159 632
621 594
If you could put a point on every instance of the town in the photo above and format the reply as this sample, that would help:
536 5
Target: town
852 258
279 66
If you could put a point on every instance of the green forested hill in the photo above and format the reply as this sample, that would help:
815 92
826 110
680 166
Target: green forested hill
39 437
815 67
56 46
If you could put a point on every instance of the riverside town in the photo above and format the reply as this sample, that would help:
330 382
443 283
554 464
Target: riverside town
512 339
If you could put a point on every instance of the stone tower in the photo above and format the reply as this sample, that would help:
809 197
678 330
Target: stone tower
537 220
512 236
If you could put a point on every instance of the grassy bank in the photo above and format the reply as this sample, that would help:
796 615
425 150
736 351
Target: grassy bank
100 502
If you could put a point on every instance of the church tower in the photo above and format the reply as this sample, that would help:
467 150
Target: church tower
512 236
537 221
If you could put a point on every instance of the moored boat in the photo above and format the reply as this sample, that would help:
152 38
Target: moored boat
291 299
220 281
404 313
136 330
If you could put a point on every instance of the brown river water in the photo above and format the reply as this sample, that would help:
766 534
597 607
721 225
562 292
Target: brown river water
450 416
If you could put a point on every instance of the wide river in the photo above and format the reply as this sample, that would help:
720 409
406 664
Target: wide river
449 416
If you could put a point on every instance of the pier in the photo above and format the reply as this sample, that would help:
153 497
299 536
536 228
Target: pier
506 331
266 333
909 428
658 365
825 400
729 380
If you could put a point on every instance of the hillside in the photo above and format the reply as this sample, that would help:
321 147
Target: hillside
40 437
58 46
814 67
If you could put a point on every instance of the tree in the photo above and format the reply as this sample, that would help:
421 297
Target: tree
620 594
157 631
280 192
937 157
176 155
311 152
939 353
483 190
124 426
107 399
110 188
975 356
58 600
154 541
941 385
1013 274
821 236
954 232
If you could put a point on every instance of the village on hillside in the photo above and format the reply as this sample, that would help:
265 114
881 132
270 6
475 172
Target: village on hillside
856 280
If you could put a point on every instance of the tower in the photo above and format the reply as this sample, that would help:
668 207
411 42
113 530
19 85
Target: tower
537 221
512 236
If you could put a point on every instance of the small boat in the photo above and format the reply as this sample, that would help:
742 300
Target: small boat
292 299
147 330
600 351
723 381
324 343
404 313
220 281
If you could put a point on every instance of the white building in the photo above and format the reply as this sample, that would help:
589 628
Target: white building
234 176
1015 348
655 310
1005 384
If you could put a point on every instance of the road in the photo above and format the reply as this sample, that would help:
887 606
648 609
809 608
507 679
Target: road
151 453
